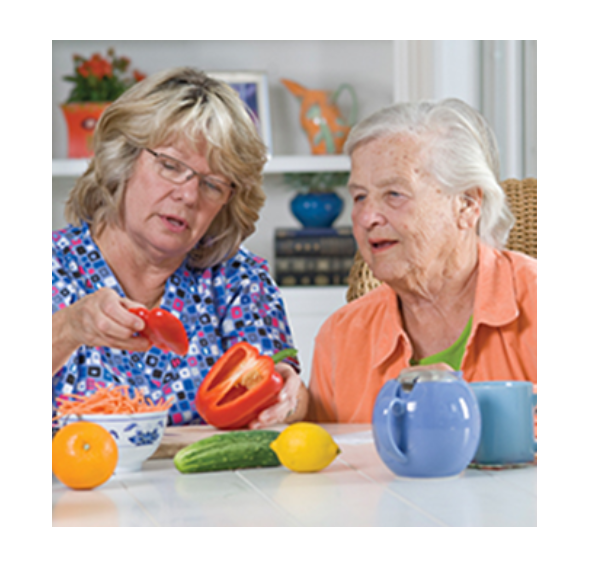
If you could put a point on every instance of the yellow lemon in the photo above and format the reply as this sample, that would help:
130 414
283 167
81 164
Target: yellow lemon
305 447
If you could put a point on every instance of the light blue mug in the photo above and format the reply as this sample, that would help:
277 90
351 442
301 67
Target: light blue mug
507 422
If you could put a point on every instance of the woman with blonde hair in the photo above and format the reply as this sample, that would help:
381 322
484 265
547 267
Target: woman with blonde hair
158 219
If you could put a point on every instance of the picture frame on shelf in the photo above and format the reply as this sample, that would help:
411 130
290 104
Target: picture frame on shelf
252 87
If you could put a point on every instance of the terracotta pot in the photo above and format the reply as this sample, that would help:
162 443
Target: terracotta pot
81 119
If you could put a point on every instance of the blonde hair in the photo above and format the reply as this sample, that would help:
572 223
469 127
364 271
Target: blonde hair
176 104
460 149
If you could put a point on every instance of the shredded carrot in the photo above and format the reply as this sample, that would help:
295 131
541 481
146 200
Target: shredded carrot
108 401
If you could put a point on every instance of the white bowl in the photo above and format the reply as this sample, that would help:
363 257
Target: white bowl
137 435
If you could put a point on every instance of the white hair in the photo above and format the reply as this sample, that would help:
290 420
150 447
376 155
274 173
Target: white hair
461 153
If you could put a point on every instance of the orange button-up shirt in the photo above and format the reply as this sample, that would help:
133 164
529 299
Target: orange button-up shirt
363 344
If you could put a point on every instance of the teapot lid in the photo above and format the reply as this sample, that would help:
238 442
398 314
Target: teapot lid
409 378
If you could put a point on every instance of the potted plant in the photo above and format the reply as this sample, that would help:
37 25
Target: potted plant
97 82
316 204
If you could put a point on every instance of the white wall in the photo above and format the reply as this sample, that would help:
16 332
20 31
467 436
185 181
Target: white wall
530 109
509 102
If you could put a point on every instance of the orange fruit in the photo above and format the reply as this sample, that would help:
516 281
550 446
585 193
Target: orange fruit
84 455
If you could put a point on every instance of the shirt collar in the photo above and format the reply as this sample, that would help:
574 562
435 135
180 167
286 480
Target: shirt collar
495 304
495 300
390 334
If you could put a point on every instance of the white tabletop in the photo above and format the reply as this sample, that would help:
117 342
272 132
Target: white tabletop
356 490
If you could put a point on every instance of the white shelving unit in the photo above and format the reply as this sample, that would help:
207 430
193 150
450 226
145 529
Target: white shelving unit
275 165
307 309
68 167
297 163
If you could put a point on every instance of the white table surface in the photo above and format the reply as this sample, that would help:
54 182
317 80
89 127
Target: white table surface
356 490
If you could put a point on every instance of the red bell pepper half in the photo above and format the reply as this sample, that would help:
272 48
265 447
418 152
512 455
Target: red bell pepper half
240 385
163 330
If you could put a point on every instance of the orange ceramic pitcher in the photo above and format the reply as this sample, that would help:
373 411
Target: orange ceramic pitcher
321 118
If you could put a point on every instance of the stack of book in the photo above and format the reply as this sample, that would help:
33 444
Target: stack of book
313 256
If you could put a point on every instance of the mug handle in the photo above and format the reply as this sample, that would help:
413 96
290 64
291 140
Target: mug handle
534 408
396 408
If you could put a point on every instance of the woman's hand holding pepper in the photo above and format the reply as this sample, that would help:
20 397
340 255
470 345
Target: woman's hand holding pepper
103 319
99 319
292 403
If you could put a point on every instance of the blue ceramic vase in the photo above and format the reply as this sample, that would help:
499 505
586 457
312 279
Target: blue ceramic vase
426 424
317 210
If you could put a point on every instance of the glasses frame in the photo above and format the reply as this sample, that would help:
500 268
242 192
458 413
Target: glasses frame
202 178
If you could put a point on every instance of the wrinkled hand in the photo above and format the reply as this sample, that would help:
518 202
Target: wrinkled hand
292 403
103 319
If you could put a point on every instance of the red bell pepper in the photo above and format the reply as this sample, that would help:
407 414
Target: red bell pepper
163 330
240 385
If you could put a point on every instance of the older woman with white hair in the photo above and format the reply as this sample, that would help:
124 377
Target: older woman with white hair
157 220
430 220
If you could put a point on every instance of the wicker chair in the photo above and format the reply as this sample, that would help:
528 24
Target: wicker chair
522 197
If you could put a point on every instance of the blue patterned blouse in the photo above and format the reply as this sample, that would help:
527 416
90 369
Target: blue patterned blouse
231 302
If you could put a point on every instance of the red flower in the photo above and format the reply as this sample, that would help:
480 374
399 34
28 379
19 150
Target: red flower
101 78
100 67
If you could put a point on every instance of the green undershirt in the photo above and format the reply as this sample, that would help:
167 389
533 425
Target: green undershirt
452 355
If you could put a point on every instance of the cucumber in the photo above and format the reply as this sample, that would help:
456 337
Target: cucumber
228 451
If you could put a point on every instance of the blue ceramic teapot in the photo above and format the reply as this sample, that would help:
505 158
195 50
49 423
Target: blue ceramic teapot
426 424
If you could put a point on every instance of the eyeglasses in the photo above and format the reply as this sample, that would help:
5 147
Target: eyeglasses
213 190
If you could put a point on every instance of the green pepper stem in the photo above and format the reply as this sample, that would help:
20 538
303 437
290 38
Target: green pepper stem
286 353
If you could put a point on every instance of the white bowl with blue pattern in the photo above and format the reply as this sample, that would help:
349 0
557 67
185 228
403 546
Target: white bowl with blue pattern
137 435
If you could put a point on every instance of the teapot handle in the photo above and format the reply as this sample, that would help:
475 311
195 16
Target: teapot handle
396 408
354 109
